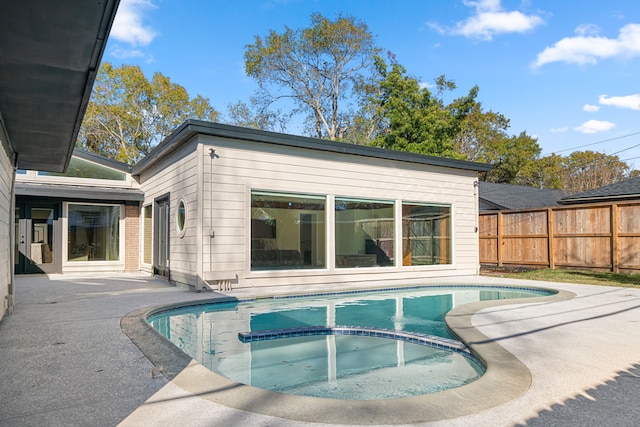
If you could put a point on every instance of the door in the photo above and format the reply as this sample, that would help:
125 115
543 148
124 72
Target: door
37 238
161 237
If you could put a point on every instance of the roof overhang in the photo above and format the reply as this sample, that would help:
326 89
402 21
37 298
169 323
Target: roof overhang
191 128
75 192
50 52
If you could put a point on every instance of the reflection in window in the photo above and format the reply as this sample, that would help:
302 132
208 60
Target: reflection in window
147 234
80 168
364 233
426 234
94 233
181 218
287 231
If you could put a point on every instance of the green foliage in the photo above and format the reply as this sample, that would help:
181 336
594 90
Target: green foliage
512 158
253 115
415 120
586 170
481 135
580 171
316 67
128 115
547 172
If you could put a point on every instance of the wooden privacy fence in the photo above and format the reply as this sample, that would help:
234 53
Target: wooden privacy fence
598 236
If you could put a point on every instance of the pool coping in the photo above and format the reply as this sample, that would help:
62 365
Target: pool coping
505 379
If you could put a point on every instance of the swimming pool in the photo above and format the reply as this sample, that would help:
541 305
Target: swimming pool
406 350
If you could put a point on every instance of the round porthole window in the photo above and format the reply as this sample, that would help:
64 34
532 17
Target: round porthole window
182 217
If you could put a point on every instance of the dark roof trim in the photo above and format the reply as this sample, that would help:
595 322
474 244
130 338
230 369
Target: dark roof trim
101 160
108 17
72 192
624 190
596 199
191 128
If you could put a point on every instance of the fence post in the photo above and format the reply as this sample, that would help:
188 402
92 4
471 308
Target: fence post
499 248
615 258
551 246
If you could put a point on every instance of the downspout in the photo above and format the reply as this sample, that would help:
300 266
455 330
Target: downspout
476 195
12 239
212 155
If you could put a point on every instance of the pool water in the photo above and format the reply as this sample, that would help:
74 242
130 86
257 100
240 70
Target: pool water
363 367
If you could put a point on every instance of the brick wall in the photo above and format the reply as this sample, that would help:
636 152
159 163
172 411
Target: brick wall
132 239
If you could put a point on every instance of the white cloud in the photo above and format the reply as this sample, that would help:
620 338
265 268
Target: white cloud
559 130
128 26
587 30
121 53
594 126
589 49
490 19
590 108
631 102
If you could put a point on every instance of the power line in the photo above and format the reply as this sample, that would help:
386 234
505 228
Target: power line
626 149
598 142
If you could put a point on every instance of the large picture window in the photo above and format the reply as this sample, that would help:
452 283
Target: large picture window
364 233
426 234
93 233
287 231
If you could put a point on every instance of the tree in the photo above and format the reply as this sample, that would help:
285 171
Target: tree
252 115
547 172
128 115
512 158
317 67
580 171
480 133
414 119
587 170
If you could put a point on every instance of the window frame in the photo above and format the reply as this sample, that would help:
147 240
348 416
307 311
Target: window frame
315 258
448 238
373 253
181 226
66 229
58 176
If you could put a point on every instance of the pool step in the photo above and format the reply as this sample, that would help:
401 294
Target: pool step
306 331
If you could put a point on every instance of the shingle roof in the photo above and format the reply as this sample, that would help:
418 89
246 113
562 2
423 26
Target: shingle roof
507 196
625 190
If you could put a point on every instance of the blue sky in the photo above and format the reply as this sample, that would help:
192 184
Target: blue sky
566 72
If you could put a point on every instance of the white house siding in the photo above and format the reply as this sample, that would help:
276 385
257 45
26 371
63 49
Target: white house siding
178 175
240 166
6 224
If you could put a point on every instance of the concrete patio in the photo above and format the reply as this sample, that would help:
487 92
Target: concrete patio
67 362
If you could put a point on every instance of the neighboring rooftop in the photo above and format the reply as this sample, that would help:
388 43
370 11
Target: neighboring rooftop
625 190
507 196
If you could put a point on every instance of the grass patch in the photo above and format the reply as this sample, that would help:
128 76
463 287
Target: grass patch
567 276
